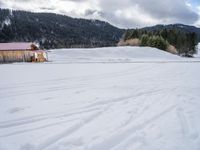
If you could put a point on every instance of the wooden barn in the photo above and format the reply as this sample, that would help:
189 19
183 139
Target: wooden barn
21 52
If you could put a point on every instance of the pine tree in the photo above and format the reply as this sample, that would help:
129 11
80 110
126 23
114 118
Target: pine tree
144 40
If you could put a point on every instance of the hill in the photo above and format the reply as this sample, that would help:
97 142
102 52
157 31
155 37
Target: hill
111 55
56 31
185 28
177 38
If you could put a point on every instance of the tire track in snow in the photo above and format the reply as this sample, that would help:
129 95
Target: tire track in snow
56 123
135 140
118 137
33 119
124 98
186 127
183 121
52 140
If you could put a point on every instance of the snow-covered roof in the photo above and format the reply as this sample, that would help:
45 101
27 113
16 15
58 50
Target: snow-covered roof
17 46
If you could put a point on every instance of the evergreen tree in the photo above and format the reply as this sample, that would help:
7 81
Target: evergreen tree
144 40
184 42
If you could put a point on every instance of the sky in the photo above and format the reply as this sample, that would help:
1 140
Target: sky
121 13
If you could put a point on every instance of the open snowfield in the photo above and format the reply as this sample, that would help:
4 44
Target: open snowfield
101 99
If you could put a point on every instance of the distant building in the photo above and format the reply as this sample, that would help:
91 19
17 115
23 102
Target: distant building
21 52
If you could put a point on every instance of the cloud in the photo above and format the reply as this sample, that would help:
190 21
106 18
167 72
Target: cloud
1 3
123 13
150 12
197 23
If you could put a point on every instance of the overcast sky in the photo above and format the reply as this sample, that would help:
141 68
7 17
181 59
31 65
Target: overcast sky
122 13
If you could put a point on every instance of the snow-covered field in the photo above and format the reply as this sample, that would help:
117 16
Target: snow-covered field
101 99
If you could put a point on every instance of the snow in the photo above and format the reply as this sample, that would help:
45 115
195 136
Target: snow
6 22
101 99
198 52
119 54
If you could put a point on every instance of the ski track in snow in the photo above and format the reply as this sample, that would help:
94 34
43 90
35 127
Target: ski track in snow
100 106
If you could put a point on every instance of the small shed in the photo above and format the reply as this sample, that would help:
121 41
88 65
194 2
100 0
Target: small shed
21 52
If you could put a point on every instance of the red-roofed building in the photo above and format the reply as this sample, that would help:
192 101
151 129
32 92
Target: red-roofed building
21 52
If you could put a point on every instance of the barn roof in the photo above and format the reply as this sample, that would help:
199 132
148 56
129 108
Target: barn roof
17 46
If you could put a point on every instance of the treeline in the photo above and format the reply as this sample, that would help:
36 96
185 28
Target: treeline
184 42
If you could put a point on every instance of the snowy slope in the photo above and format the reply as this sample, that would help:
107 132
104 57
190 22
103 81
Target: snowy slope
112 54
100 106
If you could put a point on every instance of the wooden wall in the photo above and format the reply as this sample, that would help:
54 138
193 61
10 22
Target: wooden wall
15 56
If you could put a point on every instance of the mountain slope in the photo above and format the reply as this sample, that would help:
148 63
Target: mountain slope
182 38
185 28
56 31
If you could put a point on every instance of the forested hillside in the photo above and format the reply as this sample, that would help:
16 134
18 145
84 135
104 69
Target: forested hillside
56 31
183 38
182 27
